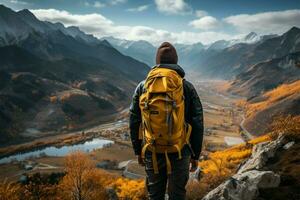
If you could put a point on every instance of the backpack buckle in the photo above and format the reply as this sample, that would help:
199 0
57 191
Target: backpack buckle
152 142
174 104
146 105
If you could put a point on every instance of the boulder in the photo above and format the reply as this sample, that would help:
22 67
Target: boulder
244 186
261 153
289 145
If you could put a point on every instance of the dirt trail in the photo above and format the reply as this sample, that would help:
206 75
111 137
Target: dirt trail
245 131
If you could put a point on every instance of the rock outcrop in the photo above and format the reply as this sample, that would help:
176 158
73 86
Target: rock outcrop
244 186
261 153
253 175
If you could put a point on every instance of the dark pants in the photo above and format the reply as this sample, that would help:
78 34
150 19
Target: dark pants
176 181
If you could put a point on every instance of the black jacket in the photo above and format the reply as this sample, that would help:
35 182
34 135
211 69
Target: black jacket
193 114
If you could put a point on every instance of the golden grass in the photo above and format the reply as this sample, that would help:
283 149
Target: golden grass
273 96
53 99
289 125
130 189
229 158
9 191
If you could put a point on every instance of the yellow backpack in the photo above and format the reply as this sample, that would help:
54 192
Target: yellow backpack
163 128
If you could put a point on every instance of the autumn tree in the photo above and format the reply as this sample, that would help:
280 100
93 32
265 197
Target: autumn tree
82 180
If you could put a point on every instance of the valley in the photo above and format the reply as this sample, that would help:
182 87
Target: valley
221 116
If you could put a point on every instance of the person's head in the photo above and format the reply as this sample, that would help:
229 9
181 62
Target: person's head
166 54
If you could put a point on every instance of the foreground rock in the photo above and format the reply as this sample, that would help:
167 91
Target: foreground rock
261 153
244 186
254 175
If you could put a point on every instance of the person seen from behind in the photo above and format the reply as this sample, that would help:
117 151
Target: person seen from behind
166 126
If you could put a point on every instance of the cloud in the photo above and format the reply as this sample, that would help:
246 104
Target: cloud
205 23
266 22
139 9
18 2
88 22
101 26
98 4
116 2
174 7
201 13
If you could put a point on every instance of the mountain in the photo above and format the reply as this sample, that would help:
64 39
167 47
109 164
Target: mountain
56 79
54 41
12 27
140 50
233 60
17 25
188 53
251 38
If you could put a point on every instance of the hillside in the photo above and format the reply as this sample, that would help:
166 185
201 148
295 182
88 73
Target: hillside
56 79
40 96
266 76
283 100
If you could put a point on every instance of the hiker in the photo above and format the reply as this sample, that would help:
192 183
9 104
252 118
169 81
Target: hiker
166 126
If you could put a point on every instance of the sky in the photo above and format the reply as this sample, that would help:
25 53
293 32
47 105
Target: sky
177 21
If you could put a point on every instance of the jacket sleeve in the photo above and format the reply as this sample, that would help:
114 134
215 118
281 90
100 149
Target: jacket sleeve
135 120
196 113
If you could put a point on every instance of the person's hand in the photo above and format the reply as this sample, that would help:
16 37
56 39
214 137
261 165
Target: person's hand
140 160
194 165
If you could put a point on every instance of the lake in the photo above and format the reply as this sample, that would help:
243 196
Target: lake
87 146
233 140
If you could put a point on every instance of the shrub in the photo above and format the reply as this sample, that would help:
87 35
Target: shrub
130 189
9 191
288 125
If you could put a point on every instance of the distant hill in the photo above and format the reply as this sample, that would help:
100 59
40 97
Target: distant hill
191 56
56 79
140 50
